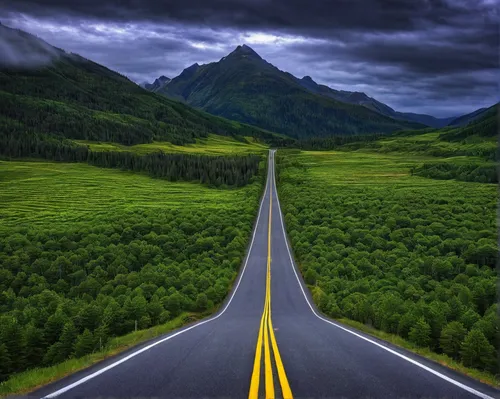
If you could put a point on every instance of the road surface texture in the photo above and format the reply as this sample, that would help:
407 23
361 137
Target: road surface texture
268 340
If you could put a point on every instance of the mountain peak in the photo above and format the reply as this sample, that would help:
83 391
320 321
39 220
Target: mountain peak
192 67
307 78
245 51
190 71
158 84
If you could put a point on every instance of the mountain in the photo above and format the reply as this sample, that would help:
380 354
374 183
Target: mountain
158 84
467 118
361 98
48 94
483 124
244 87
23 50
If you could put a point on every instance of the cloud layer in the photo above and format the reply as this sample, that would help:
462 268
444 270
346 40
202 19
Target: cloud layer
433 56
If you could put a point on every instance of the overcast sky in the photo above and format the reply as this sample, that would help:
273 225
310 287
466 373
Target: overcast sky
432 56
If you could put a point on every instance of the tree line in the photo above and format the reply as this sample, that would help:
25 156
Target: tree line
333 142
467 172
213 170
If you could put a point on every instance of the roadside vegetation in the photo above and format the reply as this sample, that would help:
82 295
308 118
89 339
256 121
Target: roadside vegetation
88 254
400 253
33 378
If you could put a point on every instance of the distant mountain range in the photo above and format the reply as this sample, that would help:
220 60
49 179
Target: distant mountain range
52 94
360 98
158 84
245 87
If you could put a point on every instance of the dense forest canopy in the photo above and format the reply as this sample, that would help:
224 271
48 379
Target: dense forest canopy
81 268
405 254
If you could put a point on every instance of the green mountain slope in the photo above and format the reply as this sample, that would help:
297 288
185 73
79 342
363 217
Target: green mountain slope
244 87
45 91
478 114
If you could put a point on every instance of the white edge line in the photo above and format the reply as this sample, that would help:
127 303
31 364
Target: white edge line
408 359
112 365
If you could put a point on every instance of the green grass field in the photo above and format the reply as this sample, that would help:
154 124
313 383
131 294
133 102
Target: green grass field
401 254
365 167
433 144
213 145
48 194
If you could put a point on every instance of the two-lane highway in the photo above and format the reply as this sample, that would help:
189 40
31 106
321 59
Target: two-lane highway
267 340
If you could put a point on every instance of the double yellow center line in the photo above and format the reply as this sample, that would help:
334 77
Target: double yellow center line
266 334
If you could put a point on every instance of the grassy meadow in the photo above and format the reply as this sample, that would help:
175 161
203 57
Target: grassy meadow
49 194
212 145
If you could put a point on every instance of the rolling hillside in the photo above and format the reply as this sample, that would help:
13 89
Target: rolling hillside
244 87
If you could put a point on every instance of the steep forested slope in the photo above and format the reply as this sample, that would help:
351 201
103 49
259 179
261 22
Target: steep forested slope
65 95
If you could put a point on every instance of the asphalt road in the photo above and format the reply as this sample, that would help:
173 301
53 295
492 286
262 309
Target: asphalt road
218 357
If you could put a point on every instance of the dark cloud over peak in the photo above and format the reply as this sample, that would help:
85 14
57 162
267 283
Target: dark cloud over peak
436 56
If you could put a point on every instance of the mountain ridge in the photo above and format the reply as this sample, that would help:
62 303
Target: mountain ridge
245 87
350 97
361 98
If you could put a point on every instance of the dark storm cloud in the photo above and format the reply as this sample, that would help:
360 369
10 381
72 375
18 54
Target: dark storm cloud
384 15
435 56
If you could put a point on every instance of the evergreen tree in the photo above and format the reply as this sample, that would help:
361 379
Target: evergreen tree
11 335
5 362
85 344
53 354
201 301
53 327
420 333
469 318
35 345
310 276
476 351
67 340
451 338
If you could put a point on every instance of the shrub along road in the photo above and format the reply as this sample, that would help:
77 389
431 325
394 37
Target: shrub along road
247 350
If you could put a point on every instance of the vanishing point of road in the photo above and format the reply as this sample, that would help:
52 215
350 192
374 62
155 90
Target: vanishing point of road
268 340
